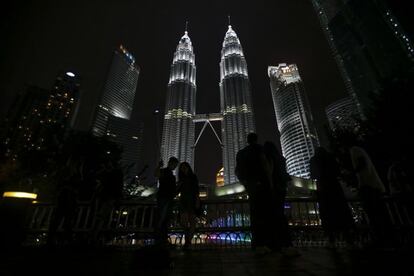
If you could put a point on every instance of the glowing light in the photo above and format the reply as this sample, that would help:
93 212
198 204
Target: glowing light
20 195
148 192
70 74
285 73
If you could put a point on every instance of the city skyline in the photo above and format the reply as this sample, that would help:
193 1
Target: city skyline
151 36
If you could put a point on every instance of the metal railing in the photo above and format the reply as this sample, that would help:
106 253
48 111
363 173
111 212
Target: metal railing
223 222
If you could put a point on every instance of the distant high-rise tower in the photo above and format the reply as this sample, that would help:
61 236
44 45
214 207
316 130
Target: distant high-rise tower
368 43
119 91
113 115
342 114
236 102
39 119
62 104
294 119
180 107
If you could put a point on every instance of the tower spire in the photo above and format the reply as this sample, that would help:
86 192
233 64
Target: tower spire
186 26
228 17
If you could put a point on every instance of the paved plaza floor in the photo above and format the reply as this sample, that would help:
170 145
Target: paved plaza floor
232 261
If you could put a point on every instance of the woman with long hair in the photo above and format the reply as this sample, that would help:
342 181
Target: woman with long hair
189 200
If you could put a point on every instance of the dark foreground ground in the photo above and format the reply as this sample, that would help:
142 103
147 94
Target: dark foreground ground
239 262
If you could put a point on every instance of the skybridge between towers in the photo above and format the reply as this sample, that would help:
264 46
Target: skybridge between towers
207 119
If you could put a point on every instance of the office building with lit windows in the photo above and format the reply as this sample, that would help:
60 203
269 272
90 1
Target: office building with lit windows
178 127
113 114
298 136
39 119
342 114
368 43
119 91
236 103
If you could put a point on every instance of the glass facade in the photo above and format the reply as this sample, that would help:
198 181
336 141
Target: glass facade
236 103
368 44
178 129
119 91
113 115
294 119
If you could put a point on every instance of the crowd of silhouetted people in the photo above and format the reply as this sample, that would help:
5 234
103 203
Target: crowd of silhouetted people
261 169
352 165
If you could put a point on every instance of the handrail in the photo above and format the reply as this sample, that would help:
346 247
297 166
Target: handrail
138 217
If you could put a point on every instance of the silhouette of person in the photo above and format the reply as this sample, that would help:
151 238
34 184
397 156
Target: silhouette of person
252 169
189 200
279 237
371 192
401 188
66 202
334 210
398 179
165 198
107 193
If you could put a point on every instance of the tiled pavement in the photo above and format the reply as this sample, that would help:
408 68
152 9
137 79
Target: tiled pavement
238 262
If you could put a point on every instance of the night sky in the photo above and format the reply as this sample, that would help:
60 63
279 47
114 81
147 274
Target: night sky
39 40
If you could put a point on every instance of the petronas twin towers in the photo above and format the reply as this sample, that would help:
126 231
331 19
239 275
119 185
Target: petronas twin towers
236 115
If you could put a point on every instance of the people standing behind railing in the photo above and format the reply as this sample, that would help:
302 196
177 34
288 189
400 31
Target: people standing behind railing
401 189
108 192
189 200
398 179
252 169
66 203
334 211
372 191
279 237
167 191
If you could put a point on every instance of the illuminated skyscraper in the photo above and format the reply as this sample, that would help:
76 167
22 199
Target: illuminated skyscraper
113 115
294 119
236 102
178 128
119 91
